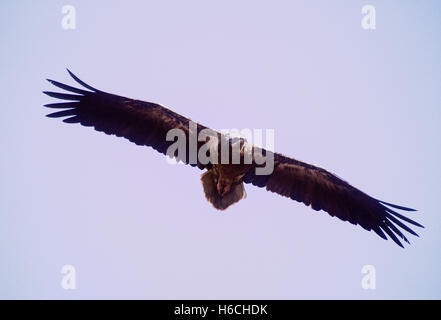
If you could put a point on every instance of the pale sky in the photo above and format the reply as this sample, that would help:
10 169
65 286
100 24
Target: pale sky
364 104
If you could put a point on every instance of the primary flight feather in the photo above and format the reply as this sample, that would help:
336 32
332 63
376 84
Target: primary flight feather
147 123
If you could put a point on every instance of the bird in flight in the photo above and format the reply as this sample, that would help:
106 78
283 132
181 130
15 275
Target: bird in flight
147 123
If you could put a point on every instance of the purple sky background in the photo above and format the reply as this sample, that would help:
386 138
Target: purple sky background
362 104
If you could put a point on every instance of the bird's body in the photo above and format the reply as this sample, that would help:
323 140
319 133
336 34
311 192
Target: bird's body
223 183
146 123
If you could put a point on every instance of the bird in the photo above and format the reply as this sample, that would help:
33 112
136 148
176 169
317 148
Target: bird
148 123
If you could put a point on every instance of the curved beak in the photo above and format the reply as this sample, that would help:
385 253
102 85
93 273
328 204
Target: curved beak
223 189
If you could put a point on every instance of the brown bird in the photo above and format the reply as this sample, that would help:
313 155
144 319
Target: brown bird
147 123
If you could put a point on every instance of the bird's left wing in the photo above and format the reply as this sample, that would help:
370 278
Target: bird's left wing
323 190
144 123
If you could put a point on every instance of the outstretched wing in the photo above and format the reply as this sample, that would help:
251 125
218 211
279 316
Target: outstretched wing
322 190
144 123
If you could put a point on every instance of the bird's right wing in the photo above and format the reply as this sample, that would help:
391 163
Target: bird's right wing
144 123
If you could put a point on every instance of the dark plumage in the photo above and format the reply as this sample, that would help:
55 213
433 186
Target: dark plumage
146 123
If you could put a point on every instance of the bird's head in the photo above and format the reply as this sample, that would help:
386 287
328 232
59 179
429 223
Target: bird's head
223 187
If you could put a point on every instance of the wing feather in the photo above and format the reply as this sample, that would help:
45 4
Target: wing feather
143 123
323 190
